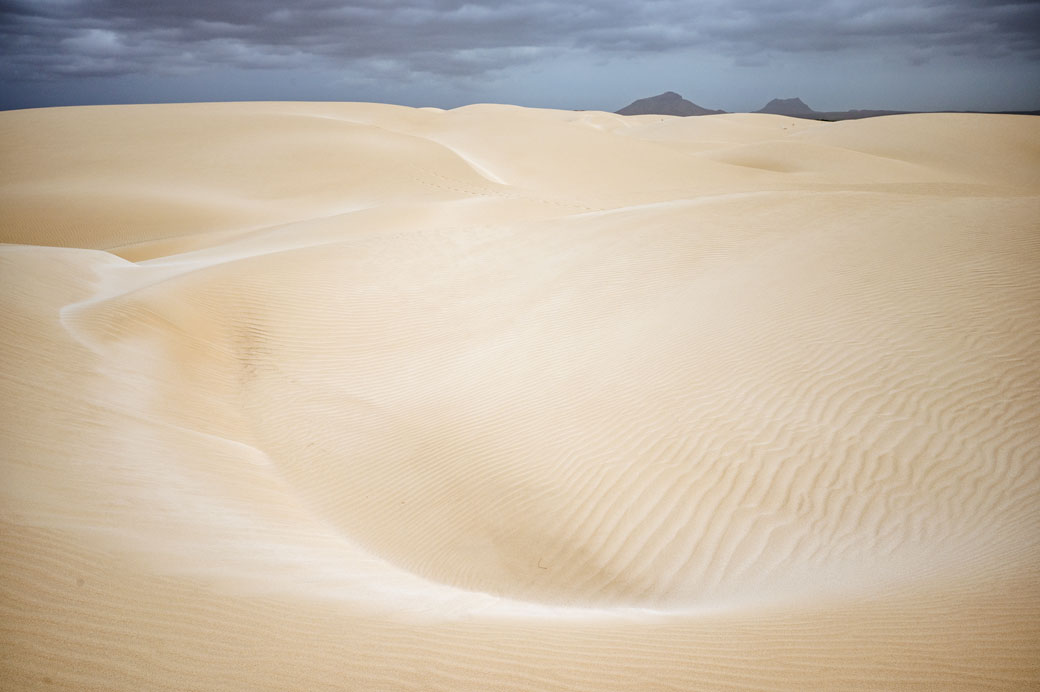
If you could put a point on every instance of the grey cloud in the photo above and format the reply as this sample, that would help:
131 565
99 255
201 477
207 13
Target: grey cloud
745 28
55 38
66 38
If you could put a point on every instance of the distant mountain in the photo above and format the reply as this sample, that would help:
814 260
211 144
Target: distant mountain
668 103
793 107
671 103
796 108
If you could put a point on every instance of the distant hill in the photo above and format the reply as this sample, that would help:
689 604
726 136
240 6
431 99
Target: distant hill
671 103
793 107
797 108
668 103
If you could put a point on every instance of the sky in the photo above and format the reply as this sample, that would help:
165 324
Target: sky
577 54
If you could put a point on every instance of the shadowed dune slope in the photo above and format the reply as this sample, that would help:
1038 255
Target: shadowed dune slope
354 396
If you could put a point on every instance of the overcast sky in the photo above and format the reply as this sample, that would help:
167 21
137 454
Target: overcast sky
734 55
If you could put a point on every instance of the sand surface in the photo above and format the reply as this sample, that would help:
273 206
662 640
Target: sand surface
350 396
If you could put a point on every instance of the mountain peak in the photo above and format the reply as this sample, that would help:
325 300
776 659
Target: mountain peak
792 106
668 103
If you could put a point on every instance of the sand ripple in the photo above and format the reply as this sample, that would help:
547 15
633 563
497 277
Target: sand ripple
351 396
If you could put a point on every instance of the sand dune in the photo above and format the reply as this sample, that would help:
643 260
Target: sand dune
353 396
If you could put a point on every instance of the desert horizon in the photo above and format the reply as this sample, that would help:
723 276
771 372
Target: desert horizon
666 103
321 395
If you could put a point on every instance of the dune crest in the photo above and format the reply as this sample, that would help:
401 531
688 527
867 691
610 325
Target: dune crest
354 396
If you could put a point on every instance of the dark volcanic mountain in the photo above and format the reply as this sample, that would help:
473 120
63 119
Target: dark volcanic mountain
794 107
668 103
671 103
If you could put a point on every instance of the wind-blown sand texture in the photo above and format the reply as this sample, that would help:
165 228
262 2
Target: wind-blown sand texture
363 397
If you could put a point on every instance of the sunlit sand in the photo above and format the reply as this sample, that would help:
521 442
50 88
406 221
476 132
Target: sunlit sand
352 396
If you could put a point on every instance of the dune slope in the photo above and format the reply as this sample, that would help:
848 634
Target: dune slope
353 396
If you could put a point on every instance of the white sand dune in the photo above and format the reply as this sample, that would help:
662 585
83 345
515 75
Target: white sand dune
351 396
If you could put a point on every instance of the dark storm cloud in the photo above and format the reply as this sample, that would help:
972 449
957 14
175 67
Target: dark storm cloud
59 38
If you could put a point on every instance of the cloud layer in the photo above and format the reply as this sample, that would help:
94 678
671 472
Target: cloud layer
48 38
448 39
